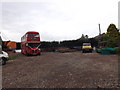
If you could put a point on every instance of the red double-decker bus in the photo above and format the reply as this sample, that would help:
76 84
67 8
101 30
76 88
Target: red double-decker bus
30 43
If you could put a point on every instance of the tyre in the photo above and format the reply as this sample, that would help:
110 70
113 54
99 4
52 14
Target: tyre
26 54
83 51
3 61
90 51
39 53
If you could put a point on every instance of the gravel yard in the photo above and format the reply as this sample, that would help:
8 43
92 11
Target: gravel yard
61 70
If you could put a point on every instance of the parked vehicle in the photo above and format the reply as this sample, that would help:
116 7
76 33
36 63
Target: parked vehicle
3 58
9 46
30 43
86 47
106 51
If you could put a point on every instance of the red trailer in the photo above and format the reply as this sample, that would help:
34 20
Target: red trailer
30 43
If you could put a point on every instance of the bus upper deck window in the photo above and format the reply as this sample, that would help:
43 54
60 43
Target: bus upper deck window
37 35
33 35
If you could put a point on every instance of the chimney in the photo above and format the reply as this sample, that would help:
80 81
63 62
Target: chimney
99 30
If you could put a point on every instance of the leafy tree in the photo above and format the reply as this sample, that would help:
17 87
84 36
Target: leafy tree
94 42
104 37
86 36
113 35
82 37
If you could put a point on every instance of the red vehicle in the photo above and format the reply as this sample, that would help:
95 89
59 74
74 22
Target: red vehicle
30 43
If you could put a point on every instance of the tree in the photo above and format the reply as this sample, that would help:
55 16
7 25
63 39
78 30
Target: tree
83 36
94 42
104 37
113 36
86 36
112 31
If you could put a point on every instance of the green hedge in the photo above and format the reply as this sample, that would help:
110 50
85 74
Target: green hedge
117 50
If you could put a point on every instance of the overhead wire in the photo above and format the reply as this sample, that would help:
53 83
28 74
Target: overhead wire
4 36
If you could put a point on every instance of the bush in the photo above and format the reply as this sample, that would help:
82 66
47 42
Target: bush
117 50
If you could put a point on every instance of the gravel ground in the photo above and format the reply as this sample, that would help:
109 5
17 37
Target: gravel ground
61 70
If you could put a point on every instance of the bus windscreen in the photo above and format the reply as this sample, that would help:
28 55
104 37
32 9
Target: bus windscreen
33 45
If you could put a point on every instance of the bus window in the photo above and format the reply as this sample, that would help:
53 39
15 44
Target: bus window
33 35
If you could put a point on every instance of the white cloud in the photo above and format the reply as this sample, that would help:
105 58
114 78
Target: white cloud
58 19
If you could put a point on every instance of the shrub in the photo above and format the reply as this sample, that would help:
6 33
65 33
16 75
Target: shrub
117 50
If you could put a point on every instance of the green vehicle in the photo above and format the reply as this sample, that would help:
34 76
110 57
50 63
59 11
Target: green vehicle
106 51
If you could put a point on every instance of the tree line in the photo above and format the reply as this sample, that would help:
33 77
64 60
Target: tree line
111 39
67 43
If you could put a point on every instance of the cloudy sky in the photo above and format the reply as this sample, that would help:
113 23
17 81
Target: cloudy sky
56 19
